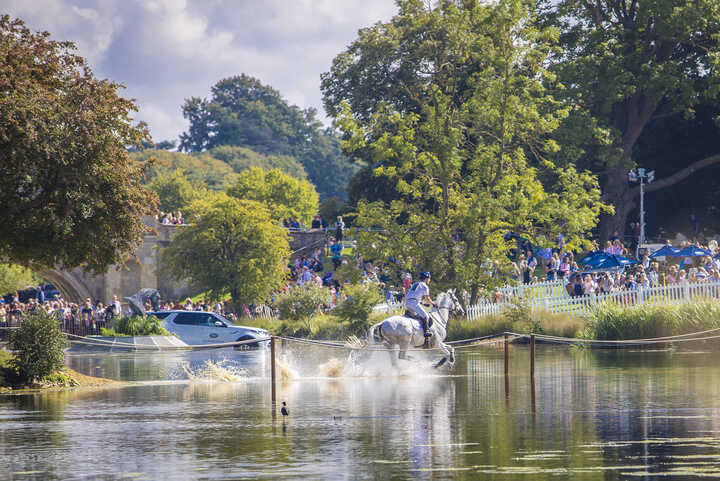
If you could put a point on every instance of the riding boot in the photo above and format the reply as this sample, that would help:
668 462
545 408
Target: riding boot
426 333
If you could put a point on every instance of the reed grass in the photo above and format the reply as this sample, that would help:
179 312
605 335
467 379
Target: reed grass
612 322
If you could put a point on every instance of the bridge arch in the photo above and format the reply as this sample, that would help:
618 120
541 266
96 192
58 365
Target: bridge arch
71 288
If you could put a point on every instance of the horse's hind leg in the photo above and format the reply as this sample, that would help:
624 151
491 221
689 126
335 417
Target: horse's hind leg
403 352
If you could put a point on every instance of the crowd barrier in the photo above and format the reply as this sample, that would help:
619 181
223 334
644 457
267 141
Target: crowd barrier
669 294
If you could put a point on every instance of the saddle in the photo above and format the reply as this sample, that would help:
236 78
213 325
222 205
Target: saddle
412 315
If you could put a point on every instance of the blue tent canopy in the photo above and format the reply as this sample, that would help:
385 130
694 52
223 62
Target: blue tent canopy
602 260
666 251
693 251
592 255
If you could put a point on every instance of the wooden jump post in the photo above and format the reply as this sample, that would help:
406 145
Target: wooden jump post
532 356
272 371
506 344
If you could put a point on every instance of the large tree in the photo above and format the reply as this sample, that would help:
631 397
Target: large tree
453 103
69 191
244 112
627 63
231 246
283 195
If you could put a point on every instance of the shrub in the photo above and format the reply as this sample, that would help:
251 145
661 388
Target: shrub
38 344
302 302
358 305
136 326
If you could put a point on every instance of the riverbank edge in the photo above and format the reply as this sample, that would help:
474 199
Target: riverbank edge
61 379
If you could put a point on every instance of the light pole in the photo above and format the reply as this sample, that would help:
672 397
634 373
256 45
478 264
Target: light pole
642 176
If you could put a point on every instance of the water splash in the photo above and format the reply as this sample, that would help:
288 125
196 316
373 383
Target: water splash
333 368
285 371
214 371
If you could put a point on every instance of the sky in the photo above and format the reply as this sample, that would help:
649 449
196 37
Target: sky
165 51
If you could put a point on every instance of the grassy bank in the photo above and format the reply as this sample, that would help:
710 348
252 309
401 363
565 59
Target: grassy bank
66 377
611 322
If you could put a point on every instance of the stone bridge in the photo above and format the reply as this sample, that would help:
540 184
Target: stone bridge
139 271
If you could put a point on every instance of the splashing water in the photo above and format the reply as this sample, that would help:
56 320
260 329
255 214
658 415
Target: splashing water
285 371
214 371
333 368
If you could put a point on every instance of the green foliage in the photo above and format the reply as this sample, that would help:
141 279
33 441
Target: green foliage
38 345
174 190
201 170
561 325
14 277
626 64
300 303
241 159
216 169
135 326
67 179
612 322
517 312
358 305
283 195
462 124
330 208
231 246
244 112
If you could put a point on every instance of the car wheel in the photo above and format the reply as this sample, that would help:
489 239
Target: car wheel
245 347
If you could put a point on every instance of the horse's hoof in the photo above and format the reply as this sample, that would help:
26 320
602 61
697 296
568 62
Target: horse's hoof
440 363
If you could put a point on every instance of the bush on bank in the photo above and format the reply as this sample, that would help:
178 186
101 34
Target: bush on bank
38 346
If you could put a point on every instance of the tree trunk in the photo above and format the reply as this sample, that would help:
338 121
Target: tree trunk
617 191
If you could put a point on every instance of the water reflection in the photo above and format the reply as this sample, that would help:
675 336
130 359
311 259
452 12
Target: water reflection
597 415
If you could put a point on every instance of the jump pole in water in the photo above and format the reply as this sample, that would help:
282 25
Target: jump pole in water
532 356
272 372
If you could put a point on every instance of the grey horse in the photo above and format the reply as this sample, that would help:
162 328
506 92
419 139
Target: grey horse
137 301
405 332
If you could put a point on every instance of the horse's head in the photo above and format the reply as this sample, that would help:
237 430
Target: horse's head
454 305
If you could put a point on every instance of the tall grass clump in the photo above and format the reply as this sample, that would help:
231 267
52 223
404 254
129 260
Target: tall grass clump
612 322
519 318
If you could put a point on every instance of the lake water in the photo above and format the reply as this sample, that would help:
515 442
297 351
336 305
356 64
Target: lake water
593 415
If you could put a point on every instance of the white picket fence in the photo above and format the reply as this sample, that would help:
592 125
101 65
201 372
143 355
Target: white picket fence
580 305
537 290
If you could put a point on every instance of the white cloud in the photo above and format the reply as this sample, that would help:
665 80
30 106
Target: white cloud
165 51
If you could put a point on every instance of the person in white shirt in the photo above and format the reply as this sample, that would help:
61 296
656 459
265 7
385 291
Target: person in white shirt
420 291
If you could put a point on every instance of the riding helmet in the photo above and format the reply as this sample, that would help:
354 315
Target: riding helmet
425 275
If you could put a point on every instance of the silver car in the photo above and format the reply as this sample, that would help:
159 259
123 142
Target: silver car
200 327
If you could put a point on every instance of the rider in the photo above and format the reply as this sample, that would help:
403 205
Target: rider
420 291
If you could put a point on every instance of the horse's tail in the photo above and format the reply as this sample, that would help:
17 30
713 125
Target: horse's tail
374 335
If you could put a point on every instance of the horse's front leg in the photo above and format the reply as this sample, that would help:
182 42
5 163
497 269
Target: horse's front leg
403 352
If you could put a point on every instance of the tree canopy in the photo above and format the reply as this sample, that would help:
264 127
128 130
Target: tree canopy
627 64
244 112
283 195
70 192
174 190
232 246
453 104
